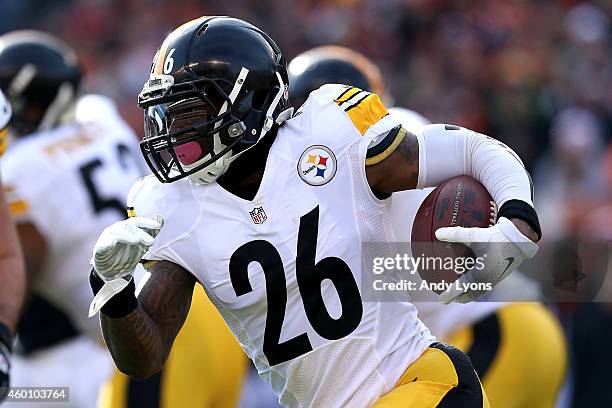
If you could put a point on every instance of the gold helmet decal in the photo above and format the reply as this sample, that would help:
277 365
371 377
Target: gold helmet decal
163 62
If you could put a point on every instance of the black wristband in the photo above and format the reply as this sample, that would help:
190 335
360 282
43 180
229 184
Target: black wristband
120 305
5 336
522 210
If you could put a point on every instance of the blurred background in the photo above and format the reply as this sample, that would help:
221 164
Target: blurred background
518 70
535 74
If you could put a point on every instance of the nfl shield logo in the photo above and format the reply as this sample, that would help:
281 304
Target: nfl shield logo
258 215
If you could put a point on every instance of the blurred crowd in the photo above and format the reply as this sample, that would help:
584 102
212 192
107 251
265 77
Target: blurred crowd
500 66
535 74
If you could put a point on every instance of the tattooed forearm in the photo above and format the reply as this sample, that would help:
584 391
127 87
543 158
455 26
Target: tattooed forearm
141 341
400 170
135 343
409 150
409 147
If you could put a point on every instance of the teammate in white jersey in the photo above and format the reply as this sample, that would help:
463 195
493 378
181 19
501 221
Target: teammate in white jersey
66 175
268 213
506 342
12 274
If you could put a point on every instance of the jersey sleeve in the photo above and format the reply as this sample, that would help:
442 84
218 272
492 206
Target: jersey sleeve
96 108
138 202
481 157
31 197
142 202
368 117
18 203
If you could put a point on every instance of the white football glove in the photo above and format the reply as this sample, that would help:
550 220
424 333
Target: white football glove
502 248
118 251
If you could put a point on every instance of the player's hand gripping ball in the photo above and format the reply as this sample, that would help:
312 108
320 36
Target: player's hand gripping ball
462 213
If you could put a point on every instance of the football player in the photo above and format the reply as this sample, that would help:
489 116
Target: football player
12 272
267 211
508 343
68 175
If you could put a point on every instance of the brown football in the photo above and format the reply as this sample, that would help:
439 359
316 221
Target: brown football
460 201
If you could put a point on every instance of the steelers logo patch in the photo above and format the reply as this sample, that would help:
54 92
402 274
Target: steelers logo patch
317 165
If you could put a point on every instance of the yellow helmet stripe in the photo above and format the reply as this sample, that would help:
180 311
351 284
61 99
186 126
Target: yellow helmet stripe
160 60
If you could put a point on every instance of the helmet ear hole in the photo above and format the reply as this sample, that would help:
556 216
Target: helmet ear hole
202 30
260 98
245 104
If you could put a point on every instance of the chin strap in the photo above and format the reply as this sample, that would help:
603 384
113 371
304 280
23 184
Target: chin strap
217 168
285 115
202 177
244 72
269 121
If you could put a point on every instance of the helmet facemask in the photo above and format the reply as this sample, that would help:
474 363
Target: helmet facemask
198 128
210 98
192 131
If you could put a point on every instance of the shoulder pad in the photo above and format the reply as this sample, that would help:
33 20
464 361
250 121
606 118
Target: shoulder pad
148 197
363 108
90 108
144 197
331 92
24 163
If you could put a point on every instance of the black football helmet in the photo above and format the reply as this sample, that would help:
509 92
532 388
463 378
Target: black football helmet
331 64
40 76
217 86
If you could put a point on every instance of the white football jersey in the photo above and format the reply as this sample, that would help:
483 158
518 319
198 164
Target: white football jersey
441 319
284 270
71 182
